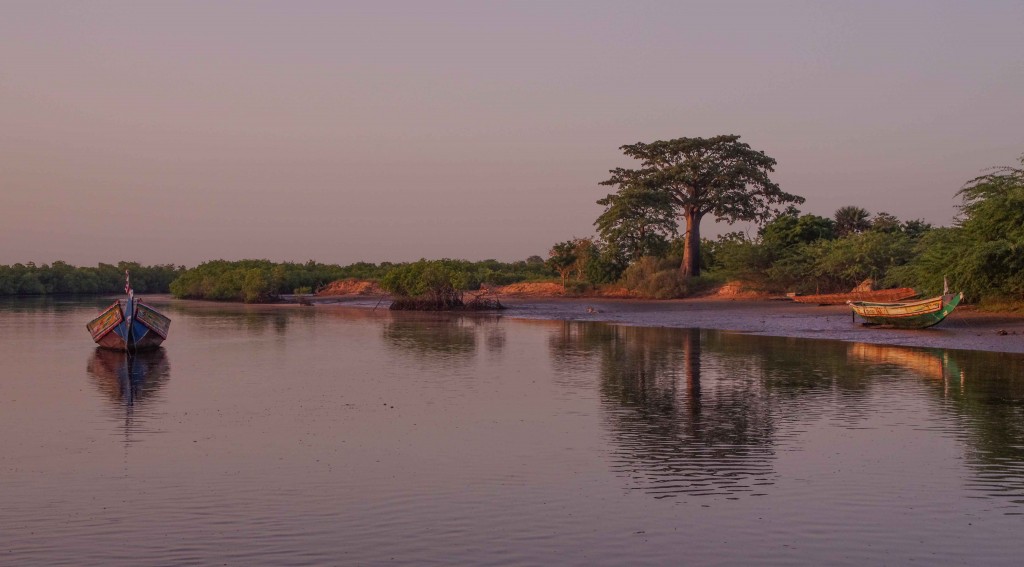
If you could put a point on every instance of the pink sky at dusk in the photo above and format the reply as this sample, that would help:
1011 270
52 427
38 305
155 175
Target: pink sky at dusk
179 132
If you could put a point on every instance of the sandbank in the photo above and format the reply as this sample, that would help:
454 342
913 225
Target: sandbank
965 328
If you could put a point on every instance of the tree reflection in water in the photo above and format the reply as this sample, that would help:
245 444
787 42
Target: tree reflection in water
250 319
704 412
677 429
444 337
439 337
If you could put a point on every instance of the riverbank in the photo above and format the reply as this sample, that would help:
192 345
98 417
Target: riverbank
965 328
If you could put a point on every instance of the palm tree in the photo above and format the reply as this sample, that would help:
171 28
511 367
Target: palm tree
851 219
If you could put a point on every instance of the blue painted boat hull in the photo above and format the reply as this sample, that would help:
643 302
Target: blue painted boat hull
129 325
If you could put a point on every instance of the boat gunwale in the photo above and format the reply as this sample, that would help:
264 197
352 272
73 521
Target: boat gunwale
138 303
98 336
901 303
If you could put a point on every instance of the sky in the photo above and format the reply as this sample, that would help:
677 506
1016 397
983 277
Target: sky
179 132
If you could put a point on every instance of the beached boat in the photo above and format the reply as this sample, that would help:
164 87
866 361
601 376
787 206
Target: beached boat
907 315
129 324
878 295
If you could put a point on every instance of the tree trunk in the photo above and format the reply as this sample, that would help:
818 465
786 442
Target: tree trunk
691 245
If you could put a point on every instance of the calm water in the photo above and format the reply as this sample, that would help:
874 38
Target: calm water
326 435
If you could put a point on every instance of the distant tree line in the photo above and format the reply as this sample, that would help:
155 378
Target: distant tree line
260 281
252 281
62 278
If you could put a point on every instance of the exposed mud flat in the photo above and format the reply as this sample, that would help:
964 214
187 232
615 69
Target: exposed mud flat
963 329
728 310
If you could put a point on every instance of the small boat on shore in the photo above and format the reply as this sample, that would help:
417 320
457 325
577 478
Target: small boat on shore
879 295
129 324
907 315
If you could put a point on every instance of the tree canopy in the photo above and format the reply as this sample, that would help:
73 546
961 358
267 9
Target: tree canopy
791 228
718 176
562 259
637 221
993 228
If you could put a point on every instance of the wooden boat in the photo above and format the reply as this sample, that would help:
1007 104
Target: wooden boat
898 294
129 324
908 315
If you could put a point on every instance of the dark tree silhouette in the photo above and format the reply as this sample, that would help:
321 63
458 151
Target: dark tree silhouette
720 176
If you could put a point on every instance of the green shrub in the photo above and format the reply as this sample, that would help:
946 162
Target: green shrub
437 284
657 278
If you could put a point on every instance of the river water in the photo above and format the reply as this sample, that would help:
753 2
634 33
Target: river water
287 435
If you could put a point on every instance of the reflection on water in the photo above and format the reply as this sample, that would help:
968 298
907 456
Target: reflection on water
989 397
326 435
985 392
703 412
934 364
248 319
442 336
36 304
129 381
677 429
435 337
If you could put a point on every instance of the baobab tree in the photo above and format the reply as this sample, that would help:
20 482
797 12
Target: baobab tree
720 176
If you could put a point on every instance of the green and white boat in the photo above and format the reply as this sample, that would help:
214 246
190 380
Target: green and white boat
907 315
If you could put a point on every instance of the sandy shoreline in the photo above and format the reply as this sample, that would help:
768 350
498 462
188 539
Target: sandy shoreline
963 329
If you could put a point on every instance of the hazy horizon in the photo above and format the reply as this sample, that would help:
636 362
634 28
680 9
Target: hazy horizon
183 132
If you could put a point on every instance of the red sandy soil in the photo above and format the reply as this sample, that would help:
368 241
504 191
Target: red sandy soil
534 289
551 289
349 287
354 287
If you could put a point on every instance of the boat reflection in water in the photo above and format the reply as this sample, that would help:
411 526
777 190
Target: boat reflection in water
129 381
931 363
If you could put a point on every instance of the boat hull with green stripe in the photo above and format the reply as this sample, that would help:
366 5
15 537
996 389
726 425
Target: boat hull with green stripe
919 314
